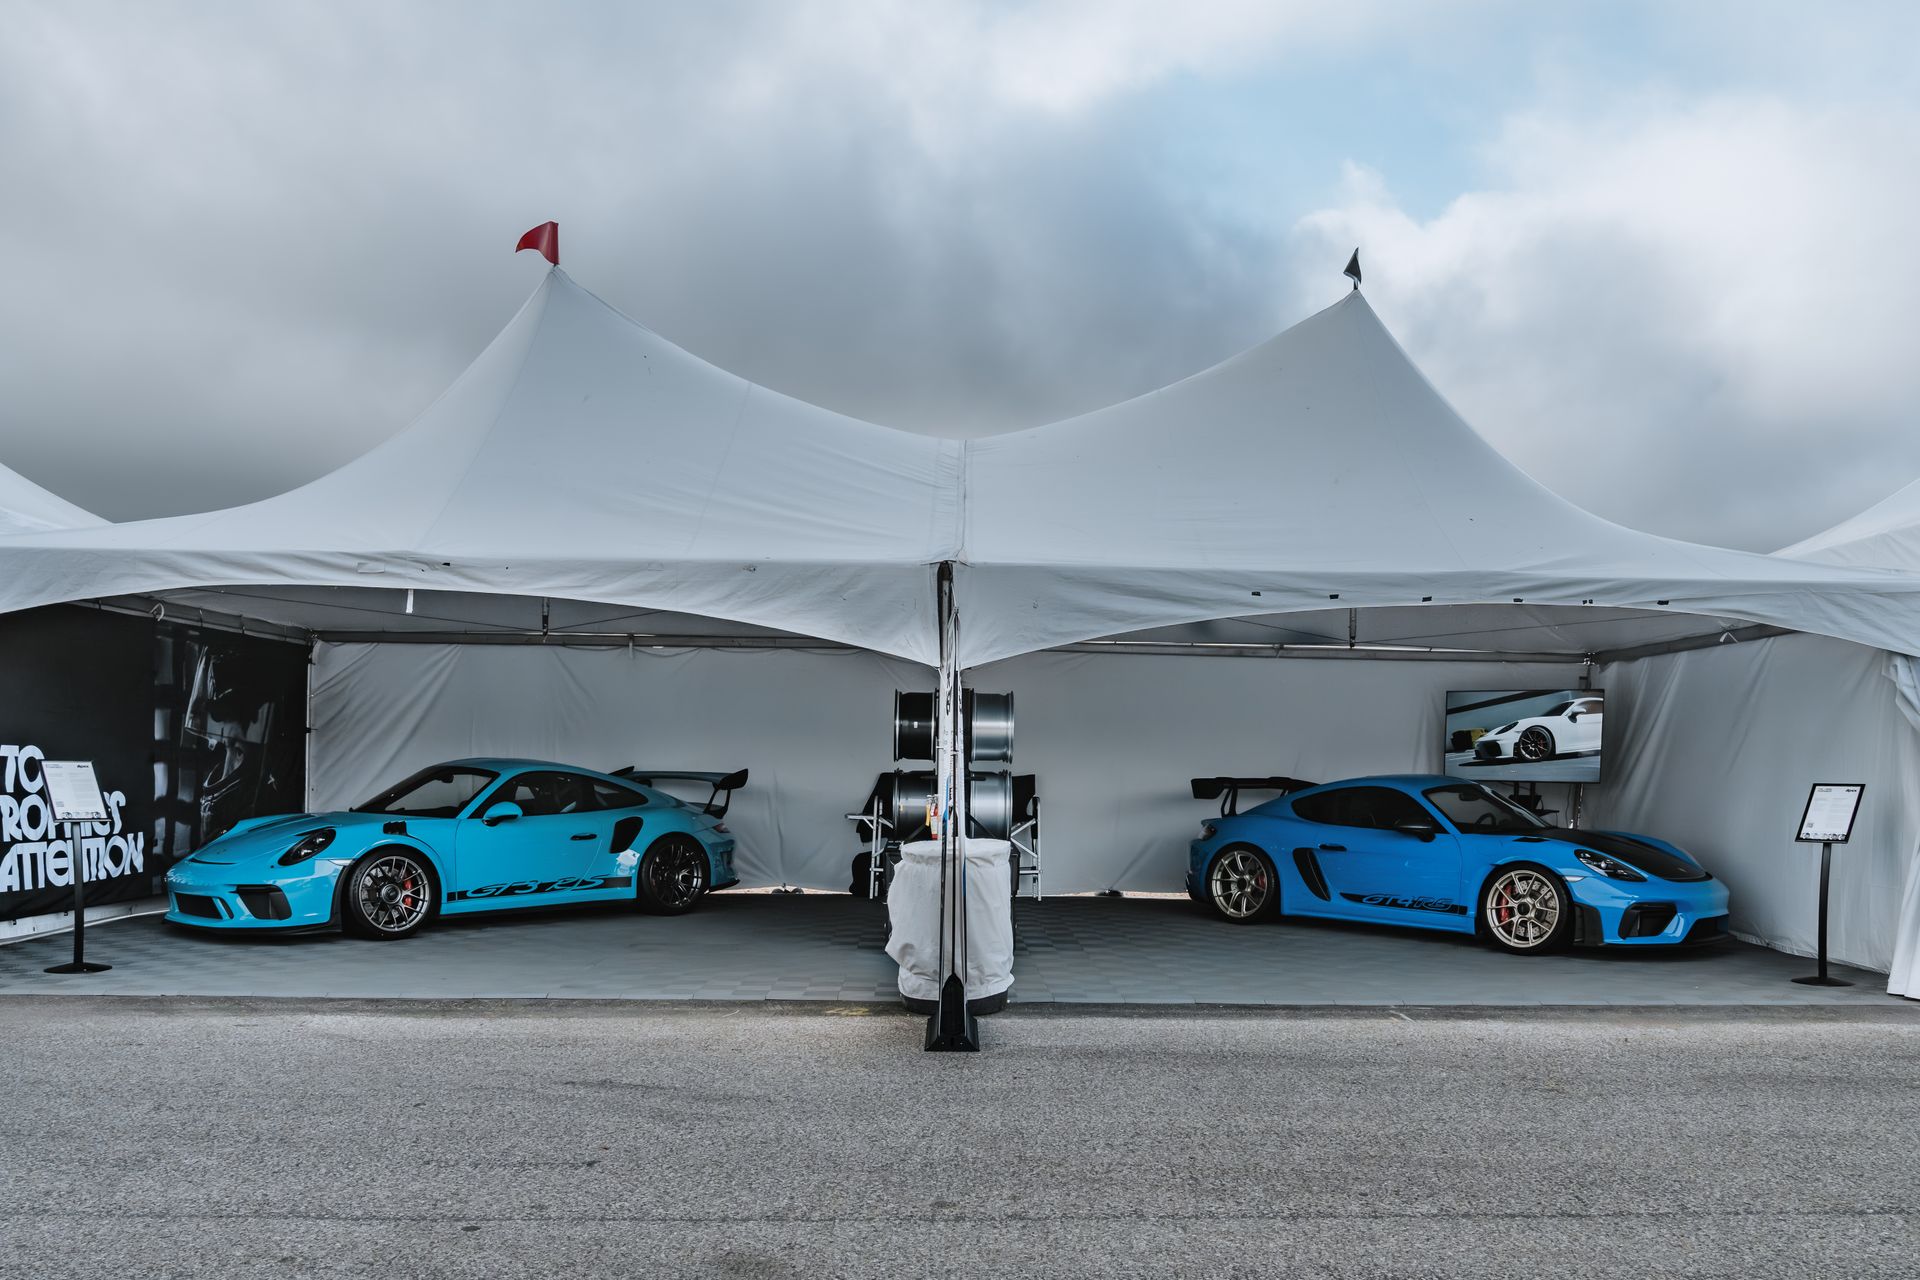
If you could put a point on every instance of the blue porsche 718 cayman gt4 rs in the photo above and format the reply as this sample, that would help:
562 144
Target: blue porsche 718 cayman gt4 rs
469 836
1439 853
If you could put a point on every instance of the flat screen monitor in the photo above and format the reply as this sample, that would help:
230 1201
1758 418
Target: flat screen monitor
1525 735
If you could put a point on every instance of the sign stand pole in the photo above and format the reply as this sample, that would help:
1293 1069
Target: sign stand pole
1821 979
79 963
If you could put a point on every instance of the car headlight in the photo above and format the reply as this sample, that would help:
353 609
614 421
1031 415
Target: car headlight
1207 829
1611 868
306 846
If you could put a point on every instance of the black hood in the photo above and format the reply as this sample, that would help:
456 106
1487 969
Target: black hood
1641 856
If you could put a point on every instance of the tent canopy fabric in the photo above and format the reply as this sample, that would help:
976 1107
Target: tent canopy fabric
1322 466
1884 536
25 507
580 456
584 457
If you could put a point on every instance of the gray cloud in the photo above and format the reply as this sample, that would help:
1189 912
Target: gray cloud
244 243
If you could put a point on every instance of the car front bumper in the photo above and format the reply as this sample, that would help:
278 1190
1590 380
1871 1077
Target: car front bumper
214 896
1650 913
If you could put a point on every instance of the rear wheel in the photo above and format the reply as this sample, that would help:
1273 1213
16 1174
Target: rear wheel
1241 885
389 895
1526 910
672 876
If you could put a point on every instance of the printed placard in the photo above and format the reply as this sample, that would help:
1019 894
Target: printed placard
1831 809
74 791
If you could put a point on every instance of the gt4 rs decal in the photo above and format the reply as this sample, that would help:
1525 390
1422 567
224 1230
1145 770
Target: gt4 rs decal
1439 905
520 888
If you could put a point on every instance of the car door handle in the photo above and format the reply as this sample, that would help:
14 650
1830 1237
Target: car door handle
584 835
1334 848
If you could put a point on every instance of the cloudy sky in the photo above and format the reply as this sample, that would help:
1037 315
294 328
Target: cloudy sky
1662 255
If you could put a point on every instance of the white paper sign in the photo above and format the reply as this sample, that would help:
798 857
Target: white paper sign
1831 807
73 791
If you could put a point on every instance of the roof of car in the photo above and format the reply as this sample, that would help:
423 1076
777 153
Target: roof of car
512 764
1410 781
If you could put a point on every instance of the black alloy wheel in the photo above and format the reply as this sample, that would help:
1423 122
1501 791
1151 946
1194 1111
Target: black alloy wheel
389 895
1535 744
672 876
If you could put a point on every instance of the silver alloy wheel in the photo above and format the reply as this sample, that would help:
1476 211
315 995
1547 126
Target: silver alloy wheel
1240 884
1534 744
393 893
1523 906
676 872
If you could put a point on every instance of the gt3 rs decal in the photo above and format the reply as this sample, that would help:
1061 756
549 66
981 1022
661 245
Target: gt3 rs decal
521 888
1438 905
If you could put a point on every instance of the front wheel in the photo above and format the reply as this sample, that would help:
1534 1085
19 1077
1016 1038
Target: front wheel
672 876
1535 744
1241 885
1526 910
389 895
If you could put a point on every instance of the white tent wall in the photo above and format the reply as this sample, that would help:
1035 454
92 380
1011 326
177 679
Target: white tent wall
812 726
1113 738
1715 749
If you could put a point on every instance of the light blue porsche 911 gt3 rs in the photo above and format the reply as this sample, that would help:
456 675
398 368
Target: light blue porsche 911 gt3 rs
468 836
1439 853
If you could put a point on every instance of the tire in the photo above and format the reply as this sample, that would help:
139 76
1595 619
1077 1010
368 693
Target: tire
1534 744
1511 915
1241 886
389 895
673 875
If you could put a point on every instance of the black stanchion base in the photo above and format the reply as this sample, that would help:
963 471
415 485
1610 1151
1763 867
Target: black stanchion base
1821 980
953 1028
79 966
980 1006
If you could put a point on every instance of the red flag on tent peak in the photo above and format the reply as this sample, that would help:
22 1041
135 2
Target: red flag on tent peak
546 239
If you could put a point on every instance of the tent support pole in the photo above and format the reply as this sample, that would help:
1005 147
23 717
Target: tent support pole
951 1028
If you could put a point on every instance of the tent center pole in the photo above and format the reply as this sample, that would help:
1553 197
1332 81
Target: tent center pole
951 1028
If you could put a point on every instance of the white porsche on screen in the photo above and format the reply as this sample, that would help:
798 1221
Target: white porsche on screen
1567 728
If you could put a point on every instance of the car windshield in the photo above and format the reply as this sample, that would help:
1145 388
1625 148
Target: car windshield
1471 807
440 792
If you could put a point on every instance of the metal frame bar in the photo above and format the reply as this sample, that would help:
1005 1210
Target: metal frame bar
1686 644
1031 829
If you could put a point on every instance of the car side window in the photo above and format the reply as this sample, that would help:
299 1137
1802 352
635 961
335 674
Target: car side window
1391 808
1373 808
611 795
1329 807
545 794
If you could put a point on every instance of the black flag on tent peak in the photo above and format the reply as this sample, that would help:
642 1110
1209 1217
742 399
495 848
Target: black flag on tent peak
1353 268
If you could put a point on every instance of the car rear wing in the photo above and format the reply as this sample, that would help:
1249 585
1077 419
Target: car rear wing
723 784
1227 790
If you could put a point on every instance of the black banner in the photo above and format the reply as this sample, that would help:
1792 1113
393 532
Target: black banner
189 731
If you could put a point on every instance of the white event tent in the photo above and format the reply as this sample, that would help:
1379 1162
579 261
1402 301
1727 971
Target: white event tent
597 547
26 507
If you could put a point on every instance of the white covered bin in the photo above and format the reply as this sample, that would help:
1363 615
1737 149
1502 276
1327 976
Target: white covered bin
913 907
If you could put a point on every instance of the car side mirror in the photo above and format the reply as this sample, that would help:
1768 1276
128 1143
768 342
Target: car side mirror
1420 827
505 811
1573 715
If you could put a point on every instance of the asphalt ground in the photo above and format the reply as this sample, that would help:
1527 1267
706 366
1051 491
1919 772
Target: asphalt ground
150 1137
